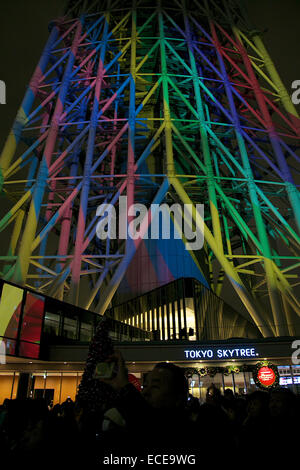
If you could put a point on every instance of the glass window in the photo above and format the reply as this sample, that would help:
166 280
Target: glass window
176 332
194 386
38 384
240 383
53 382
10 309
29 350
86 325
284 370
228 383
51 324
190 319
7 346
206 381
32 325
8 385
86 332
249 385
70 328
296 370
68 386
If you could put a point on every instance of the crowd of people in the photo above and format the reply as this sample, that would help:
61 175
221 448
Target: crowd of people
162 419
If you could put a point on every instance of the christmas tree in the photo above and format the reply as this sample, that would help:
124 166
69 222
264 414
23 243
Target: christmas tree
94 395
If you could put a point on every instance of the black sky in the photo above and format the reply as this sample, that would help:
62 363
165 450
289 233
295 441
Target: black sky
24 31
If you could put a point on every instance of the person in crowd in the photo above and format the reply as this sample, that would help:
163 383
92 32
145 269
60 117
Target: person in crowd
284 415
257 408
193 407
256 422
228 395
156 419
213 416
3 411
56 411
240 410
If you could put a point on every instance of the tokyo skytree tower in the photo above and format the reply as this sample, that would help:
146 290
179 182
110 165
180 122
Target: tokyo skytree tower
163 102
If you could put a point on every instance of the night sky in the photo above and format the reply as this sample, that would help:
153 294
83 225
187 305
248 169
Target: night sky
24 31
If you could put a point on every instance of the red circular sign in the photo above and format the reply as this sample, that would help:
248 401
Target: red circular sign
266 376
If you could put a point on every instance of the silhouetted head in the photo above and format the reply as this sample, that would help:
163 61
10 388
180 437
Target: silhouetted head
257 403
283 403
166 387
228 394
213 395
6 403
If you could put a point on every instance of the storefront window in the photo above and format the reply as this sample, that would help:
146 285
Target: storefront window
240 386
194 384
249 382
68 386
228 383
289 377
296 378
55 387
8 385
53 383
206 381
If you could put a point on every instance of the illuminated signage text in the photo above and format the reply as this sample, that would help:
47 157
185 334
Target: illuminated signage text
220 353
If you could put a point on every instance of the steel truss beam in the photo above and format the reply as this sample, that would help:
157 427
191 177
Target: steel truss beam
166 100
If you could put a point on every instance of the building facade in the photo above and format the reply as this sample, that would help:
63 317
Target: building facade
45 344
